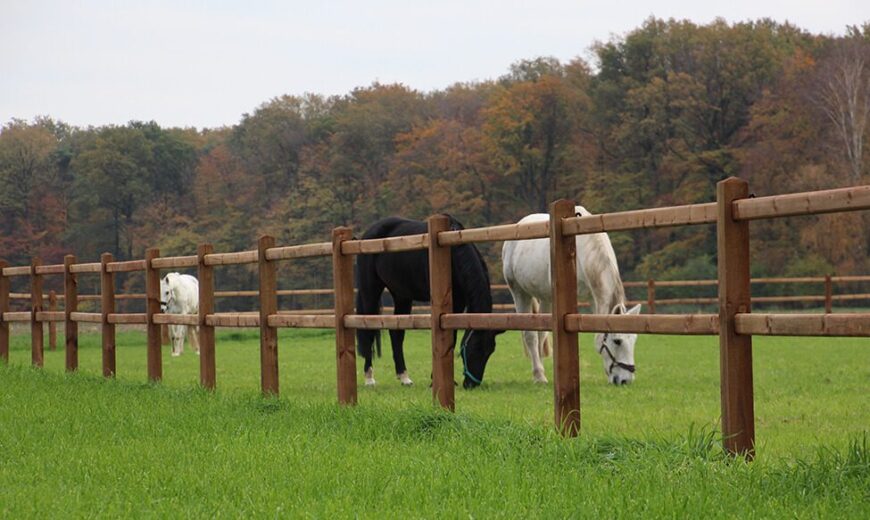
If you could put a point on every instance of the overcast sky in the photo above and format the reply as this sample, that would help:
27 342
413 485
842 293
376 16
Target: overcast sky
204 64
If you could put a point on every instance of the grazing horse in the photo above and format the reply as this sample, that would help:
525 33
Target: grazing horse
526 265
179 294
406 275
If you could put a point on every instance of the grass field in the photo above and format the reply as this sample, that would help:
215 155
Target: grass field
78 445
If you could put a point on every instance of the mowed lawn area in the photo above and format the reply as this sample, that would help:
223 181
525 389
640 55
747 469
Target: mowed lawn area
74 445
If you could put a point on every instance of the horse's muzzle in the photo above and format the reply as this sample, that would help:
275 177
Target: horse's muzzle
468 383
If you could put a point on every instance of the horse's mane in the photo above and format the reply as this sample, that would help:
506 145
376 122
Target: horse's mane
472 270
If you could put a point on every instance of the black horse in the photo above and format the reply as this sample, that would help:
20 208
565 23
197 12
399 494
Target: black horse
406 276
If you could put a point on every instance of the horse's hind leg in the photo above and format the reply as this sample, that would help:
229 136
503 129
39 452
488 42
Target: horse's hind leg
368 301
525 304
176 334
193 336
397 339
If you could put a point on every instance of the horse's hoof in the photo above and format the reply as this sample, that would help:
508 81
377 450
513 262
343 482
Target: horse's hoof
403 377
176 354
541 381
370 382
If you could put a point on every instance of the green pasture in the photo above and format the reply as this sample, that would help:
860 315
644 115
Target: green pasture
76 445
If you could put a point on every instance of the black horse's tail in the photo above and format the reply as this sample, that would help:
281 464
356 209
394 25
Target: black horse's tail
366 305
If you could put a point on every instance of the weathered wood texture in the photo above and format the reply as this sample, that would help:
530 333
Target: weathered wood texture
494 321
345 351
134 318
303 251
126 267
239 257
386 245
4 308
735 350
523 231
107 306
177 319
639 219
807 203
175 262
566 358
268 306
395 322
152 306
303 321
682 324
86 317
205 274
36 331
851 324
441 291
70 305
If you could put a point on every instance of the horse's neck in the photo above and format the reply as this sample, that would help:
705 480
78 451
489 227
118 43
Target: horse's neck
474 278
600 271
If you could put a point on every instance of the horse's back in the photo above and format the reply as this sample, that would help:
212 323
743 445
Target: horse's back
526 263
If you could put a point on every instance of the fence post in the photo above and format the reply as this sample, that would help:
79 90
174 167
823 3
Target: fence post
152 307
829 291
4 307
651 295
268 307
107 306
52 326
70 305
342 282
441 292
36 329
205 274
566 357
735 351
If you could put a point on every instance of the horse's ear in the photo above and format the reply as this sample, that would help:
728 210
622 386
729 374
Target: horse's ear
634 310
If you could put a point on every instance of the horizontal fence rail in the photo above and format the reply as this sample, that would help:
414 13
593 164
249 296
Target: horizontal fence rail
735 324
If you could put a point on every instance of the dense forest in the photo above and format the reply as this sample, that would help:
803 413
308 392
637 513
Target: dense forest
656 118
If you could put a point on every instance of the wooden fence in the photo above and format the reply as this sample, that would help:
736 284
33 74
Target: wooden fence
734 324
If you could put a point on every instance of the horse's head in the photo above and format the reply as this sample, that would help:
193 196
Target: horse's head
166 290
617 350
476 347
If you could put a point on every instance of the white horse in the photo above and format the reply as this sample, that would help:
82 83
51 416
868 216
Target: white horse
526 265
179 294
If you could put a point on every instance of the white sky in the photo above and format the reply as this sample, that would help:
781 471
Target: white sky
205 63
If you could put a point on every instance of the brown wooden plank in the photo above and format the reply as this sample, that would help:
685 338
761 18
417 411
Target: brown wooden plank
126 267
566 358
175 262
845 324
681 324
107 306
205 274
383 245
70 305
526 230
441 291
303 321
494 321
132 318
177 319
234 258
735 350
23 270
381 321
49 269
36 330
49 317
93 267
345 352
643 218
88 317
268 306
301 251
807 203
152 306
4 308
18 316
233 319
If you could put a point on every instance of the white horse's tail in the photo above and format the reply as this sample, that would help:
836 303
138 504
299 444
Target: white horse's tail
543 346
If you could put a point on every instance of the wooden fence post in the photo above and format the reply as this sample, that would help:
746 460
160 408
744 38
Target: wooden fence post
36 329
342 282
205 273
735 351
152 307
441 292
268 307
4 307
651 295
107 301
566 357
829 293
70 305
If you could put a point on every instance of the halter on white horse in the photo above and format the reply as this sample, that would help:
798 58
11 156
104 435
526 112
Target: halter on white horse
526 265
179 294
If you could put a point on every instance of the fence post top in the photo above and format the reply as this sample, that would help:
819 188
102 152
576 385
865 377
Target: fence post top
106 257
561 204
265 237
438 216
732 180
69 258
341 231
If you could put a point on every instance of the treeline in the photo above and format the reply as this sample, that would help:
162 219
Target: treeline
661 115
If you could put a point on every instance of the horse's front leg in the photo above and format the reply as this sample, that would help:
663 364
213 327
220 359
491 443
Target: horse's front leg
176 334
193 336
525 304
397 339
